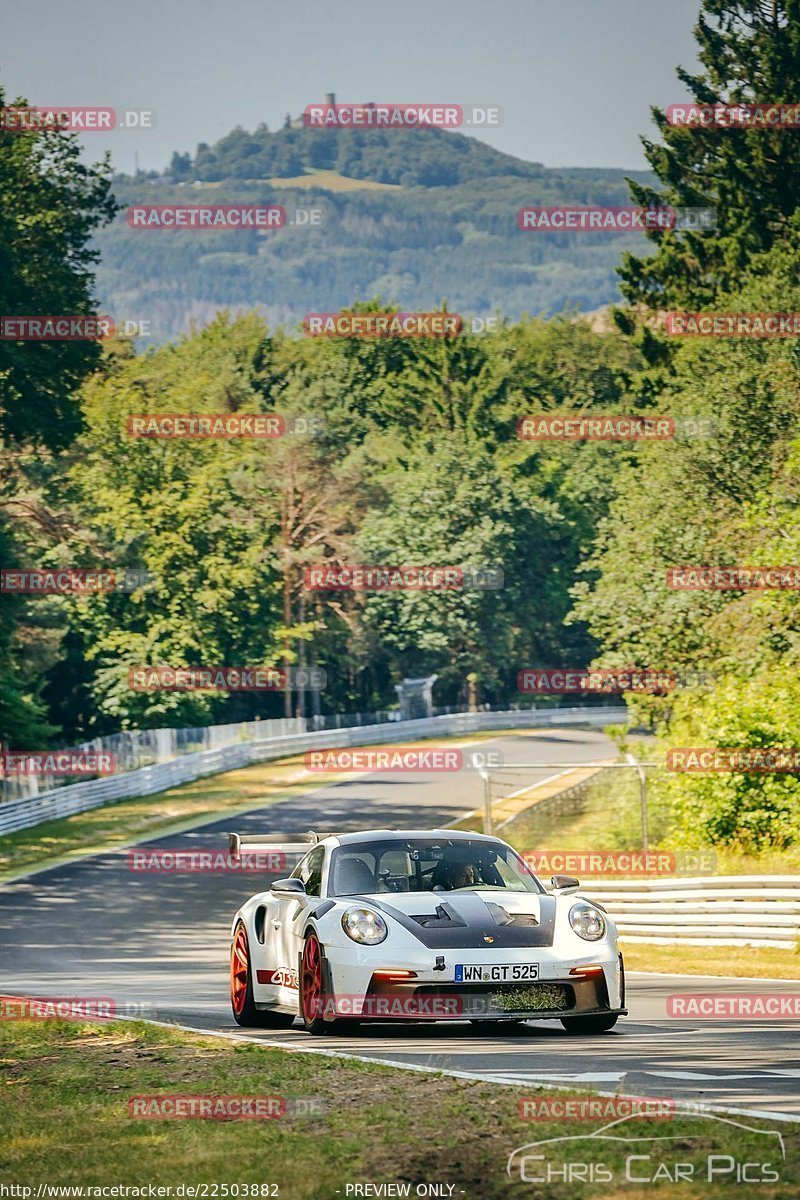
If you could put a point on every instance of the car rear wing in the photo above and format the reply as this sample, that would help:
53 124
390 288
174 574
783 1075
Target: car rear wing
240 843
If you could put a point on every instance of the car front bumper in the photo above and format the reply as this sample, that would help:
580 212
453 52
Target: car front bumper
364 991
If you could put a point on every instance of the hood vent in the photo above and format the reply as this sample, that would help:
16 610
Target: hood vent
518 920
444 916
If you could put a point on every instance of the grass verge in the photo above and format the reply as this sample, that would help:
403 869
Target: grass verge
759 962
65 1122
332 181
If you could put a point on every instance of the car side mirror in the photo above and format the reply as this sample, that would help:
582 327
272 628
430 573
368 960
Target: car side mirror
288 889
564 884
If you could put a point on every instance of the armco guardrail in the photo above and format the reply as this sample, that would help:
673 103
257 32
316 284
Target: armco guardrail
717 910
134 749
80 797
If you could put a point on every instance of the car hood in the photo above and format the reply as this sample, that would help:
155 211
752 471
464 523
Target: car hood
472 919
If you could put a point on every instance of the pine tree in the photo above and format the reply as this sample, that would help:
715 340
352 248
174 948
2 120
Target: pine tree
51 205
750 53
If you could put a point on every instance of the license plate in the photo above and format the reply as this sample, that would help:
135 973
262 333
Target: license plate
497 973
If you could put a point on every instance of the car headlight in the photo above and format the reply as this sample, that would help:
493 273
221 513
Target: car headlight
363 925
588 922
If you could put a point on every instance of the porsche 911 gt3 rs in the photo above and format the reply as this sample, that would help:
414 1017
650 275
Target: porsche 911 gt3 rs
419 925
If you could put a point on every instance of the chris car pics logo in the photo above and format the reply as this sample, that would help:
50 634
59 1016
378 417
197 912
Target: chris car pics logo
714 1150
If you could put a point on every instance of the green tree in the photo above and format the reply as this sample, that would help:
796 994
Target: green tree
727 499
51 204
179 510
23 717
180 167
748 811
707 497
447 504
750 53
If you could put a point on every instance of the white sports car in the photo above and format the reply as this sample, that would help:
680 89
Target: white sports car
419 925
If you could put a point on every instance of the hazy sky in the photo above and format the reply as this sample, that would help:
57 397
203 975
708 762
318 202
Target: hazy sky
575 78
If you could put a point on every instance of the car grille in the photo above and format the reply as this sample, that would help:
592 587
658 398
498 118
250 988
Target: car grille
506 997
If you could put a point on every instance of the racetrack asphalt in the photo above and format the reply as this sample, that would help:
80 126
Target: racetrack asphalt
158 943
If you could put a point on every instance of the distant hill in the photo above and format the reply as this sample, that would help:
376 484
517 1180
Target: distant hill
407 157
417 216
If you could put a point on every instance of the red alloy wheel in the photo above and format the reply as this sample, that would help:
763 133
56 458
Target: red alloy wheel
311 980
239 971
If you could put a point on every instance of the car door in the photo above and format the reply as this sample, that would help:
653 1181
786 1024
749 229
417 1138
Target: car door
266 954
287 921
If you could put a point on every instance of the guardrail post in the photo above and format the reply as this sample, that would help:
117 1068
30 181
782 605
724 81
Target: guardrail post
642 800
487 800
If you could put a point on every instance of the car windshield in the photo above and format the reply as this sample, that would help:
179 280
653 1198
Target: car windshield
427 864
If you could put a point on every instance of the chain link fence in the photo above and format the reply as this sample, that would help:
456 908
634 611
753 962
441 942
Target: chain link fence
602 805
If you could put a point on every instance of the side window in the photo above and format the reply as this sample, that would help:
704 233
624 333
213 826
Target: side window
310 871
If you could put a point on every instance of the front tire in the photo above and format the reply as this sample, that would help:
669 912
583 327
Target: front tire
594 1024
313 997
311 986
242 1003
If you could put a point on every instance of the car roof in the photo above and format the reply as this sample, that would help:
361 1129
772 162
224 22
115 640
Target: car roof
404 835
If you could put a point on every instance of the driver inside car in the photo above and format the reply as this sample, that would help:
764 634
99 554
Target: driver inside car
448 876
